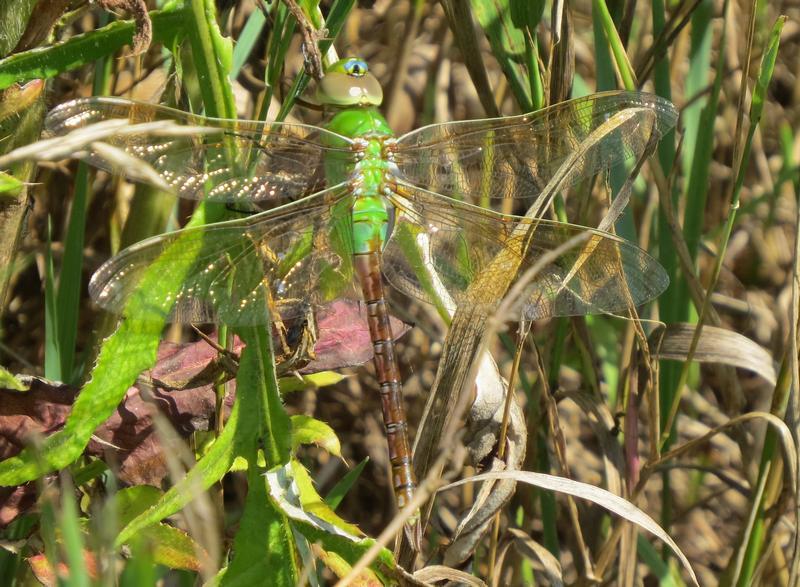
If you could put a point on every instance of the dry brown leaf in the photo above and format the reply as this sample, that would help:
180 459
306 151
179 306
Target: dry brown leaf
601 497
716 345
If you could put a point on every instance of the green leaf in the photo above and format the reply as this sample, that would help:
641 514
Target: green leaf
341 567
208 470
213 57
508 44
248 38
132 501
10 186
16 14
45 63
292 490
344 544
336 495
8 381
264 545
173 547
314 380
73 539
167 545
308 430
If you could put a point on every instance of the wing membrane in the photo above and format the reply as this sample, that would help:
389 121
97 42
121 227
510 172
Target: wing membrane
474 255
295 255
226 160
482 161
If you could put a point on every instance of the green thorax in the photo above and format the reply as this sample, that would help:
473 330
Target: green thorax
357 118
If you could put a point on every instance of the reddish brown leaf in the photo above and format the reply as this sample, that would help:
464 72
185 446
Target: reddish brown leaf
180 386
48 576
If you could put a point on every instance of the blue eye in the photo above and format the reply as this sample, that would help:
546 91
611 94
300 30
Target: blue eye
356 67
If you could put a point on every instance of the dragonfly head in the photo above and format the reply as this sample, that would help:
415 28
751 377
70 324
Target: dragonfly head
348 82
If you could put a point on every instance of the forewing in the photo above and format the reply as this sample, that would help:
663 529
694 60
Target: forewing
291 258
444 251
216 159
486 161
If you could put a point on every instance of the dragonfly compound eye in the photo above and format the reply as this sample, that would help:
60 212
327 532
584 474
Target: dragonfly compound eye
356 67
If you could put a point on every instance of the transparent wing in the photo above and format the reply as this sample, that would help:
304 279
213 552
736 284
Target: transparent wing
442 249
223 160
481 161
294 256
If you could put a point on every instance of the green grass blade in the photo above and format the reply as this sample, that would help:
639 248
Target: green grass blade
247 40
627 76
213 57
669 309
52 352
73 540
342 487
337 16
780 400
508 42
279 42
70 282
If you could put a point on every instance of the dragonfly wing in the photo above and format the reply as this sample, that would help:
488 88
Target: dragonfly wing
292 256
196 157
483 161
442 249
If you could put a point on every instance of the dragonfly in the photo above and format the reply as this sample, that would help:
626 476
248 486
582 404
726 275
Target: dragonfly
435 212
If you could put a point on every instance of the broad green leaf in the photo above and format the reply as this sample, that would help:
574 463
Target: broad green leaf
264 545
291 489
173 547
132 501
208 470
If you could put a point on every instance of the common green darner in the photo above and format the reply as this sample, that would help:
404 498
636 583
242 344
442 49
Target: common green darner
345 205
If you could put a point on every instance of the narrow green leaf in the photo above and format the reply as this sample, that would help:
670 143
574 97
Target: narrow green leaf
312 503
337 493
250 35
70 279
617 49
123 356
69 525
52 351
213 56
45 63
508 43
